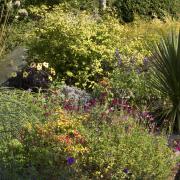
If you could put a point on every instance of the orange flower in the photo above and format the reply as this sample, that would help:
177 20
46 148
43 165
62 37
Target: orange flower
104 82
76 133
65 139
68 140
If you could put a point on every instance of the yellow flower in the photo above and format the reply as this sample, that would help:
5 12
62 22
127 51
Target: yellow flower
53 72
33 65
13 74
39 66
25 74
45 64
50 78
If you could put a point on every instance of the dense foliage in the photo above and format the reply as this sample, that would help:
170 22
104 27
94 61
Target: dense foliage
118 144
79 4
87 101
131 81
16 109
82 46
53 145
66 146
127 9
166 66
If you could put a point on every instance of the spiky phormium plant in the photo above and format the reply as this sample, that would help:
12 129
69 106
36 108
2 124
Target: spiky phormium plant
166 70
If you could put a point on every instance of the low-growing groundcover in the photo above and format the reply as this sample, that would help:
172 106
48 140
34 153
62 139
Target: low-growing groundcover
65 146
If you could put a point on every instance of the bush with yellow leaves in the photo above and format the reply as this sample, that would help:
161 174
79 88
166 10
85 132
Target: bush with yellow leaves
81 46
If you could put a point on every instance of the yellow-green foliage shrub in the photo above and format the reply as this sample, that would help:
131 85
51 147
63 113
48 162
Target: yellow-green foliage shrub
81 46
125 150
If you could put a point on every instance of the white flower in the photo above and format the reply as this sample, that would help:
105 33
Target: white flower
33 65
17 4
53 72
39 66
9 5
45 64
25 74
13 74
22 12
50 78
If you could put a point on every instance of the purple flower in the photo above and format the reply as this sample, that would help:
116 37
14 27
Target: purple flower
126 170
117 54
145 61
70 160
138 71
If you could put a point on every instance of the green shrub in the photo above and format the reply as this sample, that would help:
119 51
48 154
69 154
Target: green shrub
79 4
75 147
78 45
45 150
126 151
40 2
16 108
128 8
131 82
81 47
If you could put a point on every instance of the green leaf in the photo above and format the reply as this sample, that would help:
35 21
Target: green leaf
69 73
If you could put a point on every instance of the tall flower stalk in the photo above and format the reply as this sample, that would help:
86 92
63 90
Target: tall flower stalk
4 16
14 60
166 73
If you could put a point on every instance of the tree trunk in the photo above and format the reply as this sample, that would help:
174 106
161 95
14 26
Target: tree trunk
102 4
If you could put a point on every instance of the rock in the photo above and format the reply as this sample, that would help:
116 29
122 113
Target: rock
13 62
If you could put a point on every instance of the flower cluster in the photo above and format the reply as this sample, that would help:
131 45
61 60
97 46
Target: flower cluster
34 76
61 132
114 105
129 66
177 146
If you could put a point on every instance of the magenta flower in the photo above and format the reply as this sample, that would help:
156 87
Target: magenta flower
177 148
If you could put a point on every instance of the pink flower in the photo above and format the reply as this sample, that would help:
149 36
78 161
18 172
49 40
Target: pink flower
114 102
177 148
